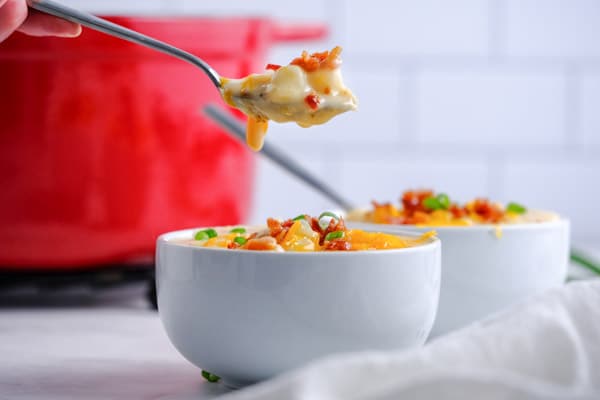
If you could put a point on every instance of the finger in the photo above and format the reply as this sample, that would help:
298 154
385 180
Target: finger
40 24
12 15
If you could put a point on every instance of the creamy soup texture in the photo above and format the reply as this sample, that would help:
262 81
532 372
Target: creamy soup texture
309 91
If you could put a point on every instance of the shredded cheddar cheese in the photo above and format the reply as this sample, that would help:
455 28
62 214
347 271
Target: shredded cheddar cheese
306 234
425 208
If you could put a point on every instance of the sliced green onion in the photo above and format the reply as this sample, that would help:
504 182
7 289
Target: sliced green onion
432 203
335 235
240 240
211 233
200 235
210 377
328 214
515 208
299 217
205 234
238 230
443 200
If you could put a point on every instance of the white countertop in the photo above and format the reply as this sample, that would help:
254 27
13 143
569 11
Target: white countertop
101 350
93 353
109 353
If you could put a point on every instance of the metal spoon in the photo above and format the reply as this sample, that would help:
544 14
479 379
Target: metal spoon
91 21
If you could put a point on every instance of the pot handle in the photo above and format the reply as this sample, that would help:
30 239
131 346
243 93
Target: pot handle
299 32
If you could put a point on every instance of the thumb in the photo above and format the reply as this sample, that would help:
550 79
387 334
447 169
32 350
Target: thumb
40 24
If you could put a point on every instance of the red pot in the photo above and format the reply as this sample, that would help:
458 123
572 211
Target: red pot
103 145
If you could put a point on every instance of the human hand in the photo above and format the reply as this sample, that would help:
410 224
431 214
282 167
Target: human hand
16 16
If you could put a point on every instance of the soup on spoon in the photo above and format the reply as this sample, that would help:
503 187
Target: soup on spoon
309 91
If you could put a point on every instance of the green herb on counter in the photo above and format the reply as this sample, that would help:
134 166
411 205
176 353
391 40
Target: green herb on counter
584 261
210 377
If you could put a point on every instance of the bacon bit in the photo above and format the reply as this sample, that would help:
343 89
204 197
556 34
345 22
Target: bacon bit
333 226
288 223
252 236
314 224
325 59
274 226
457 211
262 243
312 100
487 211
274 67
419 217
337 244
412 201
280 232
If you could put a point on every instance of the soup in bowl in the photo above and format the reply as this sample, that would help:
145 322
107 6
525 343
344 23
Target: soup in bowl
247 303
493 255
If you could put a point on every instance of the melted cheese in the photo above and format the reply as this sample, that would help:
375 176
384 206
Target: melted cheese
255 133
498 231
288 94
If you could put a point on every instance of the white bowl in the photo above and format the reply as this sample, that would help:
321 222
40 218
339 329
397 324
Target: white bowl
485 270
249 315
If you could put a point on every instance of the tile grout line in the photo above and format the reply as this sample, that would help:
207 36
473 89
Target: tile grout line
573 134
496 31
411 101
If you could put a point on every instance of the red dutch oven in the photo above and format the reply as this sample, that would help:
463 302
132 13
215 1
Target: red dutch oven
103 145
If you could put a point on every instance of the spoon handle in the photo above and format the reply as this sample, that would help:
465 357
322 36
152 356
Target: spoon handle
91 21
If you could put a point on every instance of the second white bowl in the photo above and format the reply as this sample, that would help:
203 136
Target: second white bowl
487 268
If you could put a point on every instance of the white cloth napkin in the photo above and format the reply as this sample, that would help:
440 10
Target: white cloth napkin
545 348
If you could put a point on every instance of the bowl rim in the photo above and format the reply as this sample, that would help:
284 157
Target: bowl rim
561 222
167 239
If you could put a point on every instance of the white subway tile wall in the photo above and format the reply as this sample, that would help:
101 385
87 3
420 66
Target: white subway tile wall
423 27
496 98
381 179
590 109
491 107
561 183
552 28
